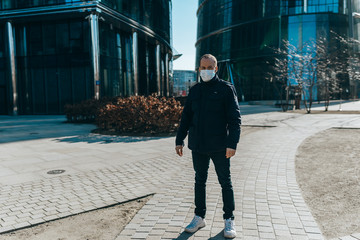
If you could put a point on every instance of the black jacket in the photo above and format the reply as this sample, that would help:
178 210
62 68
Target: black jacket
211 117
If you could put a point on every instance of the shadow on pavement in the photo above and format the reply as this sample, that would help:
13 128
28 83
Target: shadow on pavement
218 236
27 128
246 109
105 139
183 236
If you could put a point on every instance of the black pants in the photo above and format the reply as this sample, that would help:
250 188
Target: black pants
201 163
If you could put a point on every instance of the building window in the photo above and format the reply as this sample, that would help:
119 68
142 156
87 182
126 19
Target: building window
323 6
35 39
291 7
2 43
17 4
49 38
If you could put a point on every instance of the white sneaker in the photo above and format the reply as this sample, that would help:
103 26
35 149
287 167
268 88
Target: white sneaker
229 231
196 224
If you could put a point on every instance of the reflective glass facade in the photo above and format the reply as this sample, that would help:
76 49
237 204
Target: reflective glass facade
3 89
241 34
146 12
66 51
53 65
19 4
183 80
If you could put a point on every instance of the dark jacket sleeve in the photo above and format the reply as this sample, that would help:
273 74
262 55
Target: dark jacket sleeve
233 118
186 118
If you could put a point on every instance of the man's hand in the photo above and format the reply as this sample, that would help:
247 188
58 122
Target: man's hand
230 152
179 150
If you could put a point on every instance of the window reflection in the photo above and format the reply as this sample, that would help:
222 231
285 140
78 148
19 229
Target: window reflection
291 7
53 56
257 25
115 61
52 69
2 43
356 6
3 92
13 4
145 12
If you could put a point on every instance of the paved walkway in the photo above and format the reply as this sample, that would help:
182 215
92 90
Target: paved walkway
105 170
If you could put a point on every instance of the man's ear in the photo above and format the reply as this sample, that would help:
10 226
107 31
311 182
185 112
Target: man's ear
216 68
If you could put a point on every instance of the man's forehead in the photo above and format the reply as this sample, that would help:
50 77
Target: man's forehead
207 61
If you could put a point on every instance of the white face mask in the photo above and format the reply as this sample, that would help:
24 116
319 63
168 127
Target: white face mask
207 75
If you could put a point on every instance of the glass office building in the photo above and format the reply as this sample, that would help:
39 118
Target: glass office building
183 80
241 34
54 52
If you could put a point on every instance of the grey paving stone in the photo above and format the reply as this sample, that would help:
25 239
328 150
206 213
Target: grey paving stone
267 235
251 238
7 228
9 219
36 221
264 223
282 233
300 237
356 235
266 229
315 237
314 230
266 192
297 231
140 235
50 218
280 227
348 238
248 232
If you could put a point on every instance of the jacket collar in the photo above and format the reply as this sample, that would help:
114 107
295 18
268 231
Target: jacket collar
214 80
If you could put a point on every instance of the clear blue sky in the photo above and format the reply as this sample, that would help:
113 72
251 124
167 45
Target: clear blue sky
184 32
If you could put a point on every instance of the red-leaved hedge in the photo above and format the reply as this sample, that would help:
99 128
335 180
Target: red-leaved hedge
85 111
136 114
139 114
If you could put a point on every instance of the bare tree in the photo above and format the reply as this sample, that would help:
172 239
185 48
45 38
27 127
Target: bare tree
353 70
317 64
327 68
278 77
353 65
296 66
307 82
338 66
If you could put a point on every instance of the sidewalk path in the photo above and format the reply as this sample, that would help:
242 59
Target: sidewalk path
339 106
105 170
268 200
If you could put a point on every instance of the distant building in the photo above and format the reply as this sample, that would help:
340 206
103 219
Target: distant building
54 52
183 80
240 33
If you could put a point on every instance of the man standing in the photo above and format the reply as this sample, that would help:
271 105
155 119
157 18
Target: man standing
211 117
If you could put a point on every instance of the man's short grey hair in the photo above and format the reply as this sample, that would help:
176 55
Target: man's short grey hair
209 56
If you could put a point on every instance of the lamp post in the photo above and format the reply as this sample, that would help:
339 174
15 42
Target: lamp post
189 84
340 109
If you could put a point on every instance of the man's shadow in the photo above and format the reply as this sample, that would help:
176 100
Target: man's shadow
218 236
184 236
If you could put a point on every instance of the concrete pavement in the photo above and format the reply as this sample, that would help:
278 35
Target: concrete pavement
105 170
